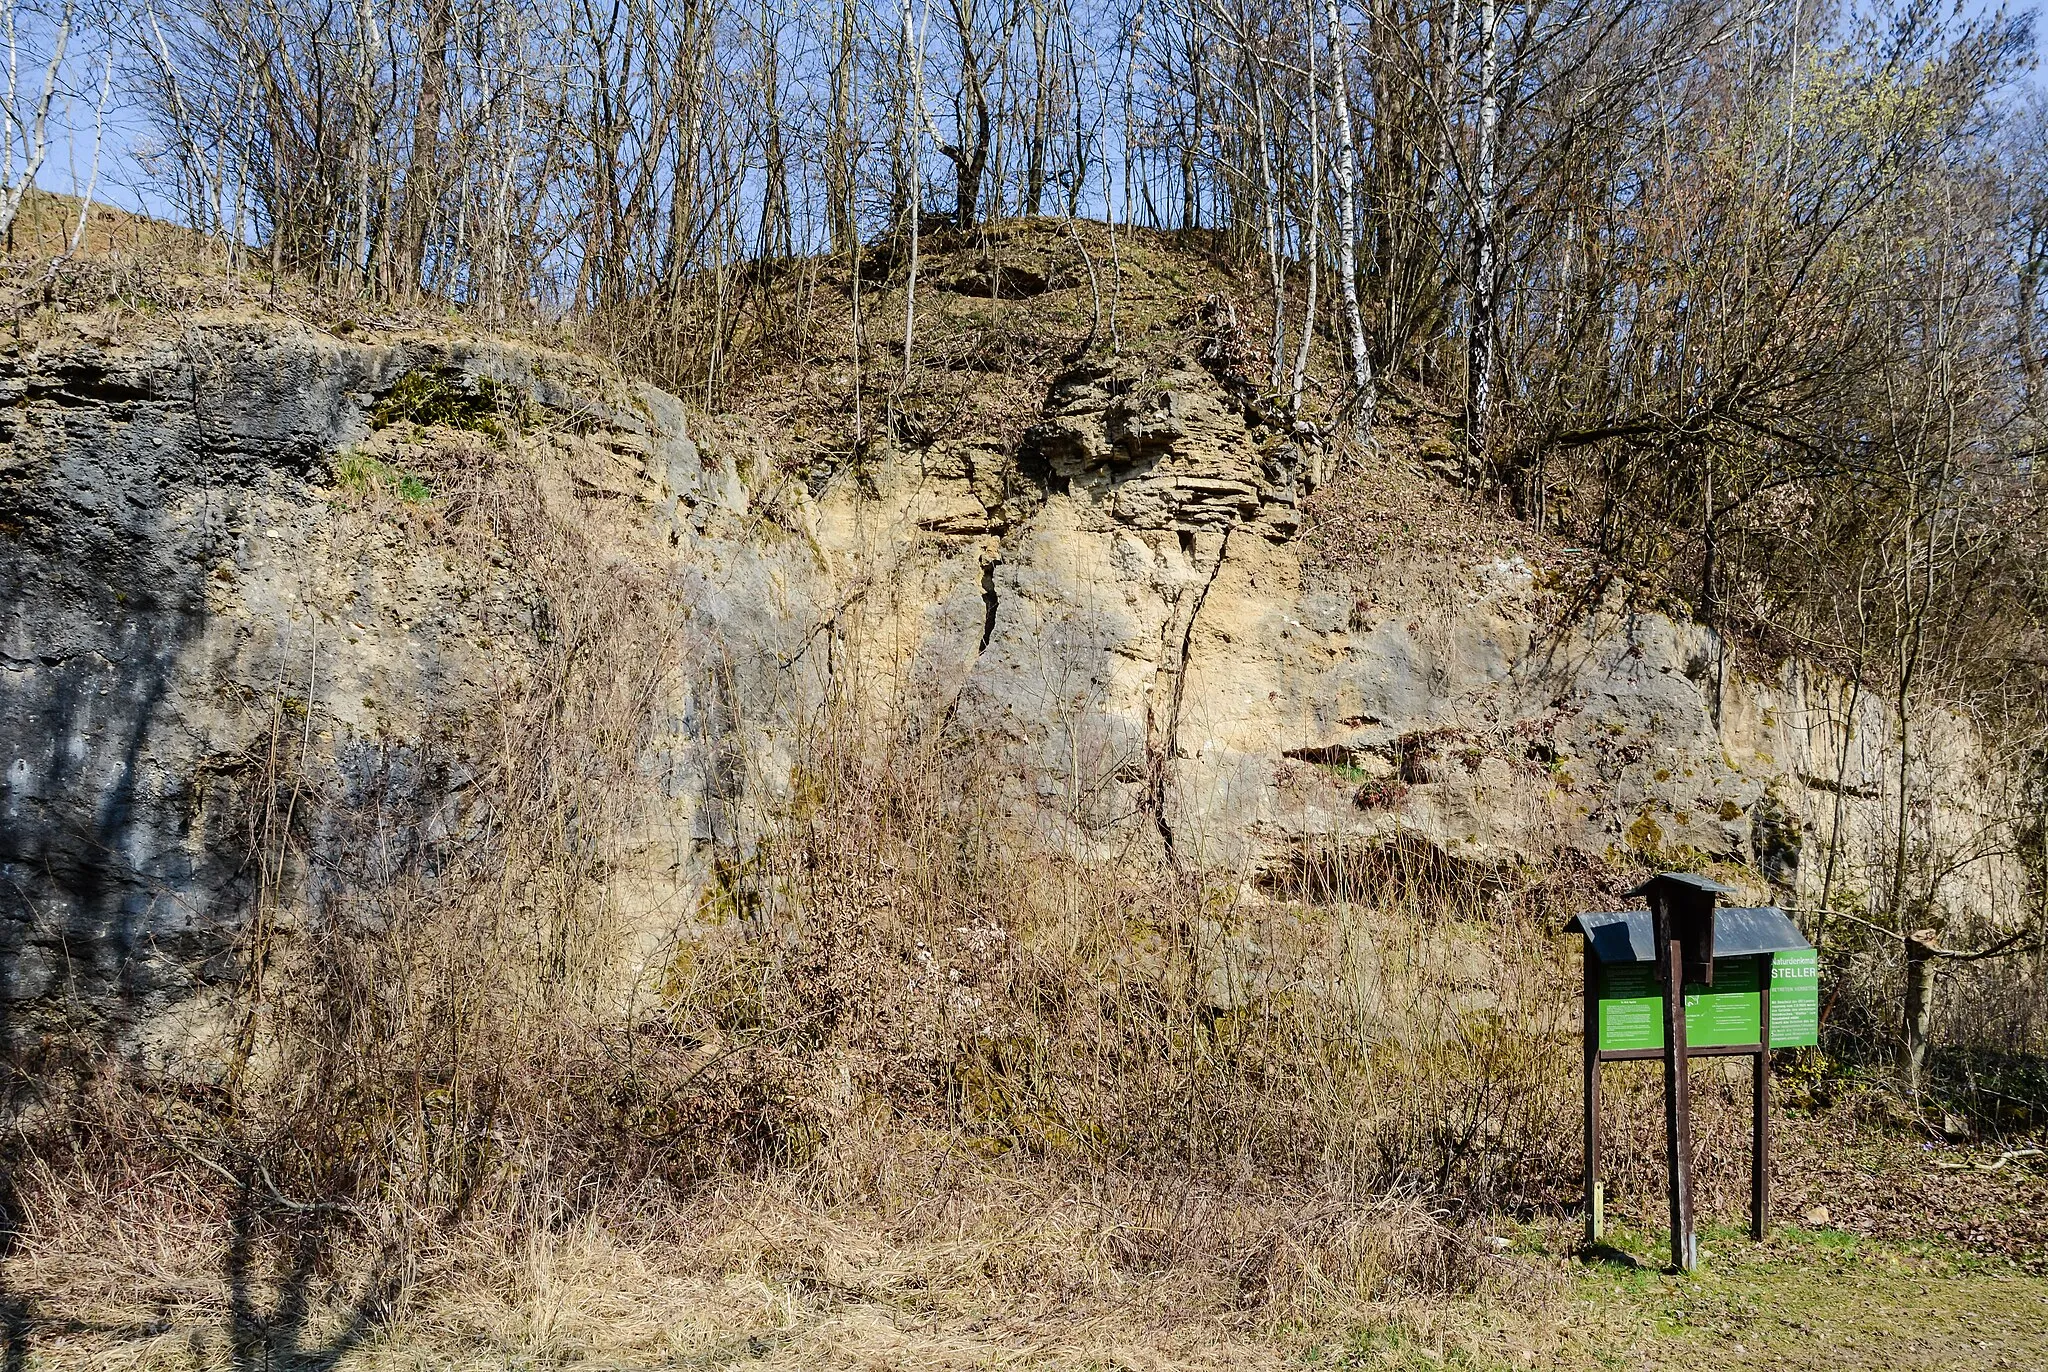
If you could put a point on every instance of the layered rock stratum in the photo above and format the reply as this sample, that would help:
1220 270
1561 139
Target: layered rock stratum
1119 614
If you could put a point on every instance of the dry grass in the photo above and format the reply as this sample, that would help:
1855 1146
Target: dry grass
47 221
975 1263
911 1098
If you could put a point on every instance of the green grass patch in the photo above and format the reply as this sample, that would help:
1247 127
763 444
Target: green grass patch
1355 776
1805 1297
1394 1345
363 476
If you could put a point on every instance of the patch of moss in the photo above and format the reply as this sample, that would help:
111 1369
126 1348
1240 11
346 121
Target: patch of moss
1436 447
441 396
1646 836
1346 773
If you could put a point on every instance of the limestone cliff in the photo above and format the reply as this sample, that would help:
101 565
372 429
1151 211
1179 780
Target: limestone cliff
1119 612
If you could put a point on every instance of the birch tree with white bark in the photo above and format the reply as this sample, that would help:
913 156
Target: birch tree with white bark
26 101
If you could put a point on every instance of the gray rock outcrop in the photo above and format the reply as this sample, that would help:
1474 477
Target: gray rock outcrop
1118 620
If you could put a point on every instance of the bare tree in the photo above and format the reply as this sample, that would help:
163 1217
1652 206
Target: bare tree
99 135
974 49
1312 244
1479 322
1364 398
25 114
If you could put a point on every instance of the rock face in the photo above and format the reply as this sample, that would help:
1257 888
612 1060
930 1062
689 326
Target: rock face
189 624
1119 620
1158 453
135 488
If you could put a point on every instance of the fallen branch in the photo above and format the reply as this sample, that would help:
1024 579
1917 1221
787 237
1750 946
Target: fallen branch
2003 1158
2002 948
263 1174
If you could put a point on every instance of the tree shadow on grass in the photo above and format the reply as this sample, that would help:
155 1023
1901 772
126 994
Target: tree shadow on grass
1608 1255
271 1321
271 1315
14 1308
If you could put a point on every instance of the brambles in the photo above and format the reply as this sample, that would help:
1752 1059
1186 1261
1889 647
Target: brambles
1383 794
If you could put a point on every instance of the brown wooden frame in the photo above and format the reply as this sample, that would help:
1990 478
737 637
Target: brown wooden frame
1678 1100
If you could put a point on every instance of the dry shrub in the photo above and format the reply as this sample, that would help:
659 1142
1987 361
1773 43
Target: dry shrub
460 978
916 1051
910 957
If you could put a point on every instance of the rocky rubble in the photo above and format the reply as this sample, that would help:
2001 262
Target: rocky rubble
1171 451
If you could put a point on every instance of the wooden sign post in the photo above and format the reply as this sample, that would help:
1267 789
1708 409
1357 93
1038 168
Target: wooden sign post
1682 923
1760 1114
1727 976
1677 1089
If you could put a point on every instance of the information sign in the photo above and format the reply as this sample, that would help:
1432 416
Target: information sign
1721 1016
1727 1015
1746 975
1795 998
1631 1010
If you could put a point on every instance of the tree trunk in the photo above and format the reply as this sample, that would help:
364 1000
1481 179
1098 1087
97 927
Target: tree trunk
1479 346
33 132
1919 1005
971 120
839 135
1312 247
1269 197
773 241
1190 184
968 166
2029 306
913 56
1364 397
1044 93
369 39
422 176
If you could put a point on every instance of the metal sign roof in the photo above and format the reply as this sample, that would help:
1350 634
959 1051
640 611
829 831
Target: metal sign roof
1690 879
1625 935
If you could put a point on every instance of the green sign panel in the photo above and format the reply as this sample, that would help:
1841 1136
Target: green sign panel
1795 999
1631 1011
1725 1015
